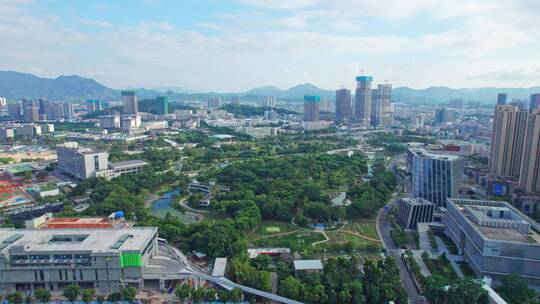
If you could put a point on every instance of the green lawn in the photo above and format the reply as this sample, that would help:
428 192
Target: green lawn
270 228
364 227
359 243
296 241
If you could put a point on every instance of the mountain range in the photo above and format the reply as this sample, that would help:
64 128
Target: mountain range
15 85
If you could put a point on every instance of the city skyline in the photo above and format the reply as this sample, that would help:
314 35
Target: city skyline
238 45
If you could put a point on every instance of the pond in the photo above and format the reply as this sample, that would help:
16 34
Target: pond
162 206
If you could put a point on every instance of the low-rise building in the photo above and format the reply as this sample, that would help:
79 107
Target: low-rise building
308 265
122 167
495 238
46 190
109 121
83 163
129 123
80 162
7 132
316 125
100 259
28 130
258 132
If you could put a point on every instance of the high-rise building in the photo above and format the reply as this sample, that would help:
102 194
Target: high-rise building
502 99
43 106
3 102
30 110
69 111
214 102
443 116
311 108
534 102
269 101
419 120
529 177
435 177
343 105
14 110
376 109
384 95
235 100
509 124
362 100
130 103
93 105
162 105
56 111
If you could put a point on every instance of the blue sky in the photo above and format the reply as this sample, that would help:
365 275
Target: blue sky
234 45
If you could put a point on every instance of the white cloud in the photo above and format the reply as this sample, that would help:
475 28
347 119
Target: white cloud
95 23
280 4
322 42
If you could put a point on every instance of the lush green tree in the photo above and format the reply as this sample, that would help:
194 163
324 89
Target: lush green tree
292 288
28 299
467 291
129 293
114 297
514 289
236 294
88 295
183 292
261 261
42 295
198 294
16 297
434 288
224 296
72 292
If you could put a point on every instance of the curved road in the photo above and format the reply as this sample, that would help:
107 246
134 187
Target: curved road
383 230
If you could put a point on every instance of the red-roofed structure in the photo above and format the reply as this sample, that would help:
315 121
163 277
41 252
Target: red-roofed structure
75 222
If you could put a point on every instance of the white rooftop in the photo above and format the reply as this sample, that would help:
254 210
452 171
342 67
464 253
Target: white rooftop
219 267
424 153
128 164
308 265
93 240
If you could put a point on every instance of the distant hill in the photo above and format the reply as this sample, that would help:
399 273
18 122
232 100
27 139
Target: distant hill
15 85
486 95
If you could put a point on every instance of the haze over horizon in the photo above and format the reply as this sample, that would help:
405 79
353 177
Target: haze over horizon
234 46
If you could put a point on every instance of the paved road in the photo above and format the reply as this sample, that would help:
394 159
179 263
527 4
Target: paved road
383 229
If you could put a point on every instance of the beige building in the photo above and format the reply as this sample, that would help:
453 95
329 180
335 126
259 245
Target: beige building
529 178
362 100
507 139
130 103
